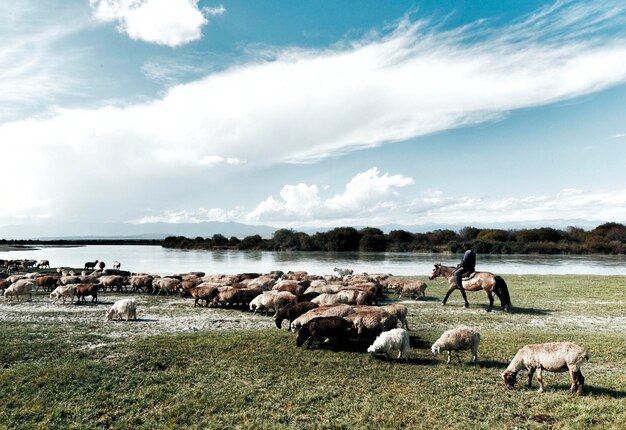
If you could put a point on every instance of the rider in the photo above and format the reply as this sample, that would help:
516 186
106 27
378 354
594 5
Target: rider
465 268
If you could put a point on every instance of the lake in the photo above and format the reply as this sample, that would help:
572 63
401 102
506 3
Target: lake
155 259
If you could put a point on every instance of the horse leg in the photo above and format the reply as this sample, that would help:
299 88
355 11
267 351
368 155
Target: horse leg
490 301
445 299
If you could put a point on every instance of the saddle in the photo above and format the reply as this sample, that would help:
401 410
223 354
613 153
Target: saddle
470 276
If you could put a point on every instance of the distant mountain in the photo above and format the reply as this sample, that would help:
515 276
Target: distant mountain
132 231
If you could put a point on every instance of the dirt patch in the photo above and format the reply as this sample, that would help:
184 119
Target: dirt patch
155 315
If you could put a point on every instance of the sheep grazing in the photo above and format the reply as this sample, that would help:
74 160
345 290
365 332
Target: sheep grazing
23 287
275 300
551 356
397 339
370 321
165 284
112 281
331 329
457 339
293 311
322 311
123 309
399 311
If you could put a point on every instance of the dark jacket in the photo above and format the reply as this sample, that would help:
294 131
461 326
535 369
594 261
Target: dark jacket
469 261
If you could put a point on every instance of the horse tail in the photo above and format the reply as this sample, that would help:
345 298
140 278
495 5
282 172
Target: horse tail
504 292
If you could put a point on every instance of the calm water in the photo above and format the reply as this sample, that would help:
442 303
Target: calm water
155 259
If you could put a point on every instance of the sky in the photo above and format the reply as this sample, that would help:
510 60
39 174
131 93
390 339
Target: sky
313 113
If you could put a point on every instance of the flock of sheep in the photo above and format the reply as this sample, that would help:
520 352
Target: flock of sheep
331 310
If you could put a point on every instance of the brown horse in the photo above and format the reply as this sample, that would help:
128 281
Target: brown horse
477 281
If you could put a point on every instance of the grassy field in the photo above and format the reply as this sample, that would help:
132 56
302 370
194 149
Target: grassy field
64 371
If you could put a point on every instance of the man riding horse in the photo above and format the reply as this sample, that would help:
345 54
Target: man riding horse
466 267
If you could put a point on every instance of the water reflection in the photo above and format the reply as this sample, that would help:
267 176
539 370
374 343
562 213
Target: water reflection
162 260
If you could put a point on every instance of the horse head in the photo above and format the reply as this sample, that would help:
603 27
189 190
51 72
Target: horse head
436 271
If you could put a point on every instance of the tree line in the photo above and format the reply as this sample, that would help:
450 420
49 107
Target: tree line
608 238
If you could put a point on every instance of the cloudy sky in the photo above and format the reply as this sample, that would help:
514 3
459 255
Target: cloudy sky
313 113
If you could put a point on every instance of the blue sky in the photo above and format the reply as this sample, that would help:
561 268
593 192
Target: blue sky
313 113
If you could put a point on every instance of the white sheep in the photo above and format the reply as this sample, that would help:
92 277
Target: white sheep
343 272
457 339
551 356
22 287
273 299
388 341
125 308
117 265
63 291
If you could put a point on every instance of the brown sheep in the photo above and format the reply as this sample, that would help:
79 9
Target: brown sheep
293 311
206 293
83 290
334 329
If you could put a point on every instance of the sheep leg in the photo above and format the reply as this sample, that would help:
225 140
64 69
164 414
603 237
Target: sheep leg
531 372
540 379
581 383
449 358
574 378
490 296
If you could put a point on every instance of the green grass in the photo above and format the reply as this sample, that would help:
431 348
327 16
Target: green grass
250 379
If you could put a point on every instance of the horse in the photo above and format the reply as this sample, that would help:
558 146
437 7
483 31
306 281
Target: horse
477 281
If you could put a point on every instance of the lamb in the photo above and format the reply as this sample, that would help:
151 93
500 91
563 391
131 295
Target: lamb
84 290
63 291
457 339
22 287
293 311
551 356
333 329
414 289
125 308
388 341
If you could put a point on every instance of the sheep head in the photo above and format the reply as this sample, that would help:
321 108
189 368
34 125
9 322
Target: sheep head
509 379
435 350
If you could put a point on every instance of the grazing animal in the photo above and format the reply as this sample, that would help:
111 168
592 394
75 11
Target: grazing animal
322 311
293 311
478 281
47 282
64 291
343 272
275 300
23 287
551 356
370 321
399 311
413 289
322 329
123 309
117 265
397 339
84 290
43 263
91 264
458 339
206 293
165 284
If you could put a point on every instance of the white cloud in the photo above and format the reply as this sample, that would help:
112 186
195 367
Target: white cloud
194 216
302 105
367 194
212 160
164 22
618 136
